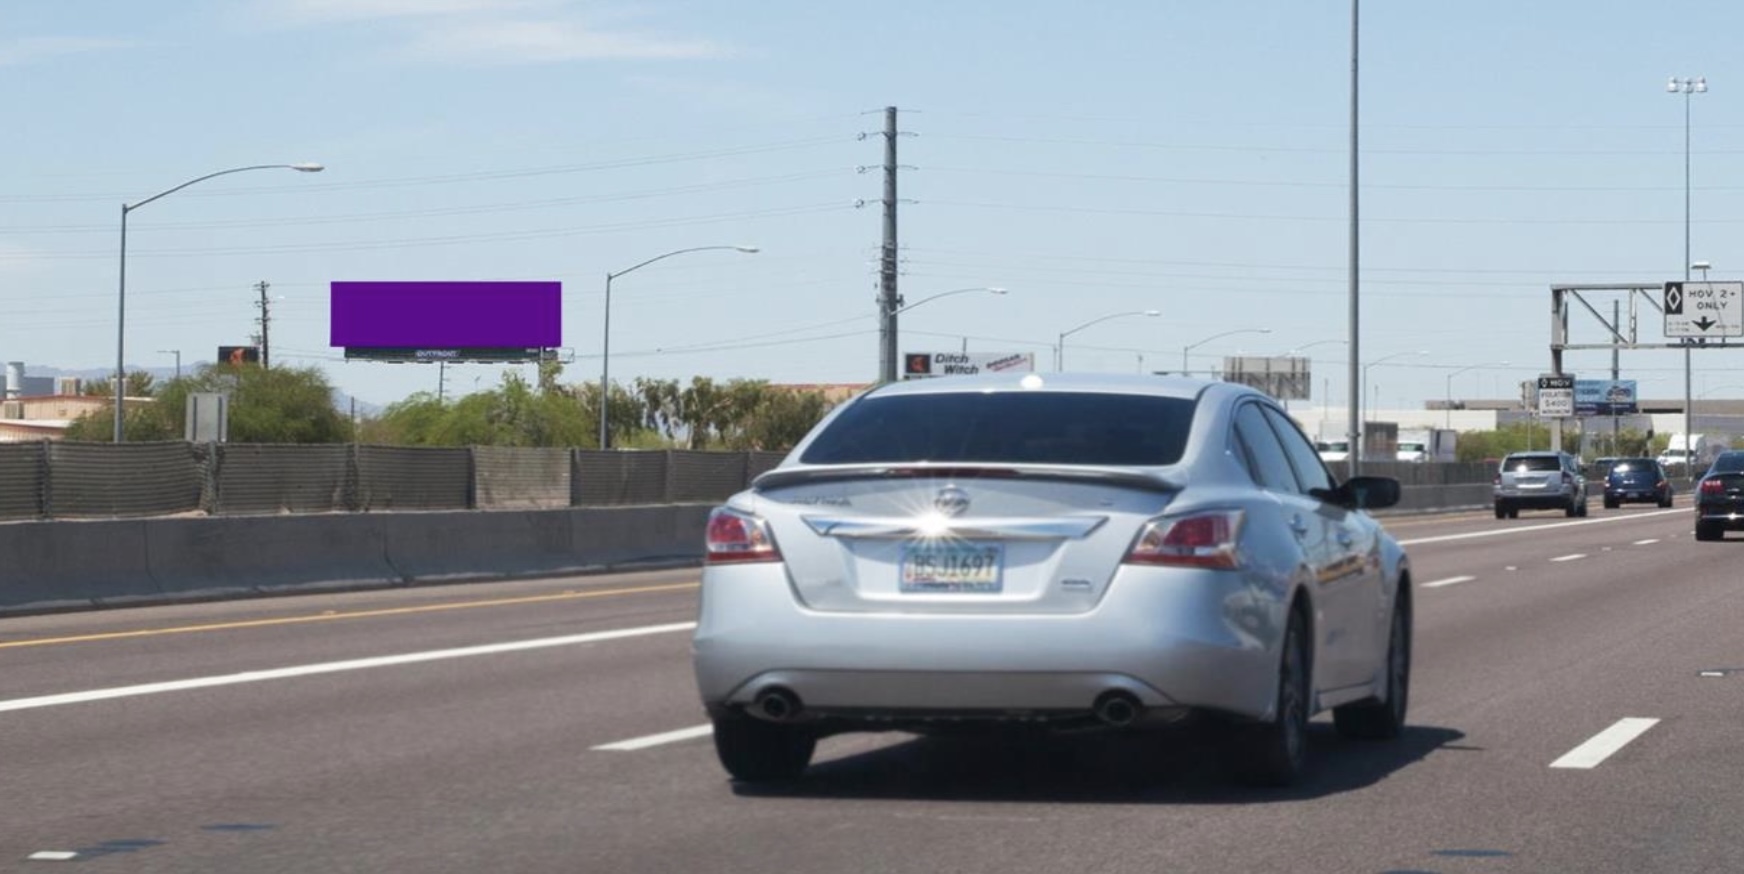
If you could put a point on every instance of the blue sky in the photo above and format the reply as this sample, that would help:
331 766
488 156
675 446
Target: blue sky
1093 158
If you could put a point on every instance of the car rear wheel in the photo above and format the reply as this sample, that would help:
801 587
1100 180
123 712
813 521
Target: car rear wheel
1665 501
1273 753
1501 511
1611 503
1384 719
755 751
1709 531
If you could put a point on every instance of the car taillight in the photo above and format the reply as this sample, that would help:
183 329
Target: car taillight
735 536
1713 487
1497 481
1201 540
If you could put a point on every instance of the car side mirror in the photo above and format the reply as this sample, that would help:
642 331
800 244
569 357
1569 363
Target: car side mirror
1365 493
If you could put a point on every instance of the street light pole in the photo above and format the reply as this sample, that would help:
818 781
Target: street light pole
1187 371
1687 87
606 340
1449 407
121 288
1060 346
1359 402
178 354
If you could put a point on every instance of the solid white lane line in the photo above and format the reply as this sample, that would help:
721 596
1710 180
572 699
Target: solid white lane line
654 740
1605 743
337 667
1498 532
52 856
1574 557
1450 581
1649 541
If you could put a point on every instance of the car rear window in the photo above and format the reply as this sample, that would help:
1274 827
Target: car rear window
1008 427
1635 465
1729 462
1532 462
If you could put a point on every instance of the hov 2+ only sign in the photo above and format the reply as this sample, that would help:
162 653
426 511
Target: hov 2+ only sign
1704 309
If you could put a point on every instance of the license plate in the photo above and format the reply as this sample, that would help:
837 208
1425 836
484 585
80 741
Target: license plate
952 567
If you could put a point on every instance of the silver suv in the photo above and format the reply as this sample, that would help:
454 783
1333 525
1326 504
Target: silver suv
1540 481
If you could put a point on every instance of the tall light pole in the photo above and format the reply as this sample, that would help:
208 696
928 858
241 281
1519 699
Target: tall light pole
1687 87
1060 347
1449 408
178 354
605 435
1186 371
121 293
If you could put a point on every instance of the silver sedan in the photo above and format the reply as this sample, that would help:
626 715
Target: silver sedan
1059 551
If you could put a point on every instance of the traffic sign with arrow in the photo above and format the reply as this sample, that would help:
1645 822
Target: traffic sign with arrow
1704 309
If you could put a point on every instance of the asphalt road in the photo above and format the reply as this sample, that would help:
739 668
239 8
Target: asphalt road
1562 721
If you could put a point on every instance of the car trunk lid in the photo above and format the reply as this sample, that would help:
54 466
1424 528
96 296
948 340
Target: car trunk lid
956 538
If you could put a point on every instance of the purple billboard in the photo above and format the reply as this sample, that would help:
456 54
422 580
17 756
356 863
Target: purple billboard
438 316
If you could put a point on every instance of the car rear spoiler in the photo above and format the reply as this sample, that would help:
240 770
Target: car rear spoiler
1111 476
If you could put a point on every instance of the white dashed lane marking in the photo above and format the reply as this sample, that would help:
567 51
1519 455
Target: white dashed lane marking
1604 744
1648 542
1450 581
654 740
1575 557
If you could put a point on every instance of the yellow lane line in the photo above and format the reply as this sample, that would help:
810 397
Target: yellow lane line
360 614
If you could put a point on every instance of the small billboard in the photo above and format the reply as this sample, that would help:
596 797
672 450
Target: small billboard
447 321
236 356
923 365
1605 397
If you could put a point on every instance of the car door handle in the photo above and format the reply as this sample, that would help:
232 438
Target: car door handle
1298 526
1344 539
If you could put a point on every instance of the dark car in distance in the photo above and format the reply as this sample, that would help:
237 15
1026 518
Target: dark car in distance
1636 480
1720 497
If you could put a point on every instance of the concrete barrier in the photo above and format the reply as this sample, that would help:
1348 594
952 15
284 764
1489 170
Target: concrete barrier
74 564
62 565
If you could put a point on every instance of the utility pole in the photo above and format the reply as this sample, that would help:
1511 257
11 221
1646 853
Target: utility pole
1616 369
889 301
265 320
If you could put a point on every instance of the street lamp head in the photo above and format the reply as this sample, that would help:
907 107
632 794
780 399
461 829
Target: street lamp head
995 290
749 250
1153 312
308 167
1701 84
1672 86
1701 265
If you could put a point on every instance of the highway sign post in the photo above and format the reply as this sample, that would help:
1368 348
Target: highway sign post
1704 309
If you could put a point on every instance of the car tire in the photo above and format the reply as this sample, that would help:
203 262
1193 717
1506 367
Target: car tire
1513 513
1665 502
1581 511
1571 510
1275 753
1709 531
1611 503
1501 512
755 751
1384 719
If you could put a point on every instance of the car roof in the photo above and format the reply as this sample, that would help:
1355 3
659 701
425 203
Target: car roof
1187 388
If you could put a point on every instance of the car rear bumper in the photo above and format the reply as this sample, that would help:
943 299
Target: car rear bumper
1534 500
1170 639
1730 516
